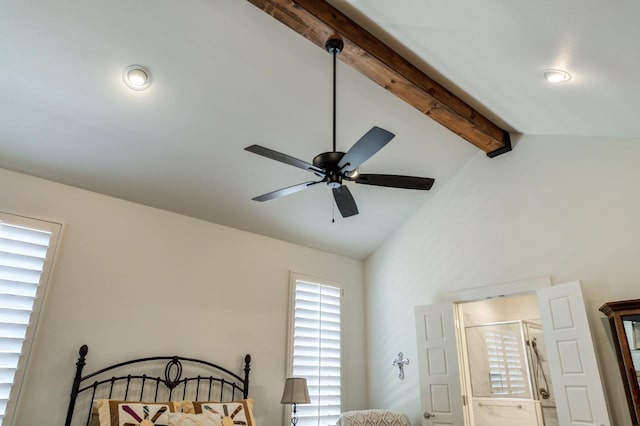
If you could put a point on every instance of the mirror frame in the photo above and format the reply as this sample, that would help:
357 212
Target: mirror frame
616 311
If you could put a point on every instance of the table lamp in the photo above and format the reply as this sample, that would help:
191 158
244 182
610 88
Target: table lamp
295 392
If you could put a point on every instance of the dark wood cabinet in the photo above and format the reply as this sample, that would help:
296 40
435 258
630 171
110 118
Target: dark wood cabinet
624 318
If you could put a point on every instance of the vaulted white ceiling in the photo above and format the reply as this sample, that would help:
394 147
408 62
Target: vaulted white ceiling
226 75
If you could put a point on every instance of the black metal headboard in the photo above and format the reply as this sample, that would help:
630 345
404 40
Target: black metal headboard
157 378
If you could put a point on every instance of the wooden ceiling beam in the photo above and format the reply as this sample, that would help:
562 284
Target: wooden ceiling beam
318 21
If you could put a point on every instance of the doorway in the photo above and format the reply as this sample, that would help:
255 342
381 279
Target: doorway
576 386
504 363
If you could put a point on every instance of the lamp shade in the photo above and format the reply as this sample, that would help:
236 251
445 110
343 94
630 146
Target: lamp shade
295 391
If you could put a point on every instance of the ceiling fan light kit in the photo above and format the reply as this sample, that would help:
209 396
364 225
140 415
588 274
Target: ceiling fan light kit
334 166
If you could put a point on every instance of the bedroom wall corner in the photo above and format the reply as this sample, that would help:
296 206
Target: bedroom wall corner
559 206
131 280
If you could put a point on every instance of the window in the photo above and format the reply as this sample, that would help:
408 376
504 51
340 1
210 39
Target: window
315 348
26 251
505 364
499 366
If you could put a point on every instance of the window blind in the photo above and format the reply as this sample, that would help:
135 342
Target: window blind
316 351
506 369
22 258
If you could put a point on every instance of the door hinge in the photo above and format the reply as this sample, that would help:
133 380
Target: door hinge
464 400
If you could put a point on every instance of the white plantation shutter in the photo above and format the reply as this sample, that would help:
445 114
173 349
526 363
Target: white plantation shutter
316 351
500 366
24 266
506 364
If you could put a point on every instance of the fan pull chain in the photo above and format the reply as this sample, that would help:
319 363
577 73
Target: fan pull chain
333 212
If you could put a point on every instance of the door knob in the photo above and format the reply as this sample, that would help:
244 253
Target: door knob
428 415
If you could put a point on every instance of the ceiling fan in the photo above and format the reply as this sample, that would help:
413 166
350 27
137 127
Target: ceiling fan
334 167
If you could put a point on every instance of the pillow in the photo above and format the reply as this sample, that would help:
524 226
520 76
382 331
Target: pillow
233 413
133 413
187 419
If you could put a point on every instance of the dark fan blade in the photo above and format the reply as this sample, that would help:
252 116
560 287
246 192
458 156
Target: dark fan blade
284 158
373 141
285 191
345 202
395 181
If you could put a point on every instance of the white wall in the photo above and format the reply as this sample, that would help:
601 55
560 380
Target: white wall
130 280
565 207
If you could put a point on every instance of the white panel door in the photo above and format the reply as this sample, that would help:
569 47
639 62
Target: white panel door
577 384
438 365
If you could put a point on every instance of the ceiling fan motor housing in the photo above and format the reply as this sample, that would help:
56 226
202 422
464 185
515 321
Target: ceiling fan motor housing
329 162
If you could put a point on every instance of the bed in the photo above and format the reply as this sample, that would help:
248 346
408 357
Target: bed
160 390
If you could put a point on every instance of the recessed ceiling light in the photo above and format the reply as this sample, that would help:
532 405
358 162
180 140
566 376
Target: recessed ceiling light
137 77
557 76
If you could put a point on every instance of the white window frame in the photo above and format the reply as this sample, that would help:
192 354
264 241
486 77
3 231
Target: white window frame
55 229
294 278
